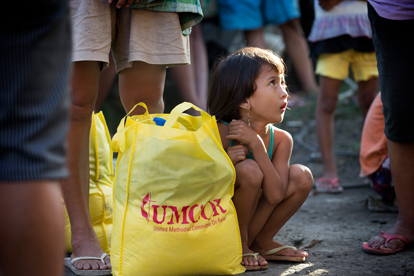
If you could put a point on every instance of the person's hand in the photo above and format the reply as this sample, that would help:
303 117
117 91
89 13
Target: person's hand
237 153
240 131
328 5
120 3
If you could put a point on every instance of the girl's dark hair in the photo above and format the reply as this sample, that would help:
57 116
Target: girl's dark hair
233 80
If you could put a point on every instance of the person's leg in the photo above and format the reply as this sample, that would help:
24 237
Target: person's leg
199 56
142 82
84 82
367 90
325 110
298 52
402 164
31 219
191 80
267 220
247 190
106 79
255 38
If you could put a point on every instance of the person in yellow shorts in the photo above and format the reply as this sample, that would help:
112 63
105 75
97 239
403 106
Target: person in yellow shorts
340 37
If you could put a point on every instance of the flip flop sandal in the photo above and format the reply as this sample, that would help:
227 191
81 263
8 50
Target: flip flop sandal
69 263
268 256
335 187
249 267
387 237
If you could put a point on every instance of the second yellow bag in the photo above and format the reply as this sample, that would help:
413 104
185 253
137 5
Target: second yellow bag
173 188
100 185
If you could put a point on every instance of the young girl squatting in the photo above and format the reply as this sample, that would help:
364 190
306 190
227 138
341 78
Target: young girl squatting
247 96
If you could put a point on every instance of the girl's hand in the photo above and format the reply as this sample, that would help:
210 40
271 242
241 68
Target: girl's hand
237 153
240 131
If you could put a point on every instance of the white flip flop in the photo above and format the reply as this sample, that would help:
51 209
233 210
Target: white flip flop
69 263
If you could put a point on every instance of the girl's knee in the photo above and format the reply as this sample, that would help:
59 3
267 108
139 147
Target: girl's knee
301 176
248 173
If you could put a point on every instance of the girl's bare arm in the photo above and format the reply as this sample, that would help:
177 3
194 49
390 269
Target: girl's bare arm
273 185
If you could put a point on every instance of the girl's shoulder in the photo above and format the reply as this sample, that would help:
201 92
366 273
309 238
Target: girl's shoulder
280 134
281 137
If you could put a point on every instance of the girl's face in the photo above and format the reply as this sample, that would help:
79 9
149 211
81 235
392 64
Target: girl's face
268 103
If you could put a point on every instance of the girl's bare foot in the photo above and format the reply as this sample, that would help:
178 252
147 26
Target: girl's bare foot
252 261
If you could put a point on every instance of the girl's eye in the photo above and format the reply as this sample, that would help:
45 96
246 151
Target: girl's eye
272 82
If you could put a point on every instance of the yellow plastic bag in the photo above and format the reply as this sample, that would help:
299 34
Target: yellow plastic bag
100 184
172 197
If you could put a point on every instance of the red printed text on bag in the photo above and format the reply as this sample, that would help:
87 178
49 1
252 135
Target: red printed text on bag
183 215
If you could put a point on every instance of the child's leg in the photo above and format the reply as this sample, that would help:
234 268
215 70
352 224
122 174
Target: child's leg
367 90
142 82
247 190
298 51
85 79
327 100
191 80
267 219
255 38
106 81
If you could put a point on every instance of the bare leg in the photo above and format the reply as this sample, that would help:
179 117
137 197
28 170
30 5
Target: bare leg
255 38
327 100
247 191
142 82
106 80
84 83
199 56
367 90
32 229
267 219
191 80
298 52
402 163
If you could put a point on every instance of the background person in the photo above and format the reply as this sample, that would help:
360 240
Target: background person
391 23
340 36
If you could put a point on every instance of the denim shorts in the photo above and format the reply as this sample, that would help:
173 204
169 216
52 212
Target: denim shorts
394 48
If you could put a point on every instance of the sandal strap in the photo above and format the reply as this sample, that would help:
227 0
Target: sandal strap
277 249
389 237
251 254
90 258
335 183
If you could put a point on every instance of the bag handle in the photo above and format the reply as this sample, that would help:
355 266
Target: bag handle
118 141
122 122
179 109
